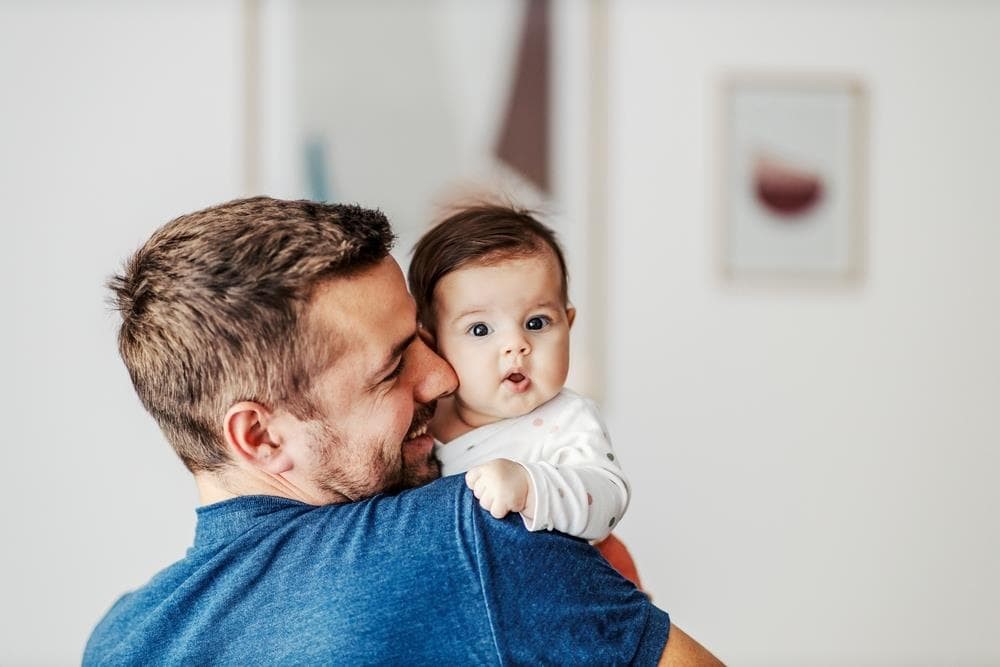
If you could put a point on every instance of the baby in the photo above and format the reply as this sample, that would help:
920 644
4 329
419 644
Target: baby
490 284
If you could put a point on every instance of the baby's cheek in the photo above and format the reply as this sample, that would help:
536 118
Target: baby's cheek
472 389
458 358
465 368
471 380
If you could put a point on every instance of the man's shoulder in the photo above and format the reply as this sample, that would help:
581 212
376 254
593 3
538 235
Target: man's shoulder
443 491
425 514
449 501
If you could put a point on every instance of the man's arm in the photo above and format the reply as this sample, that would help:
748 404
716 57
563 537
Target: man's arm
682 651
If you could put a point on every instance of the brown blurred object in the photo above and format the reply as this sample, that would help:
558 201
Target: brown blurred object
617 555
524 139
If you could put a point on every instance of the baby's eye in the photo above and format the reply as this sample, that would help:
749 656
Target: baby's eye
479 329
537 323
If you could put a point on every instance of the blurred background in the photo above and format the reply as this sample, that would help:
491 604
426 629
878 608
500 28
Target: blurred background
814 463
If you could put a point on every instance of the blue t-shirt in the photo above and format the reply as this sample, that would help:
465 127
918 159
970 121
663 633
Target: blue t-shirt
422 577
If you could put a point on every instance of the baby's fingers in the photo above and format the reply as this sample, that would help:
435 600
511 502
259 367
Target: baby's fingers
481 488
486 501
499 510
473 476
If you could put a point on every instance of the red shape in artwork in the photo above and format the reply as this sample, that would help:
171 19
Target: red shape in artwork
785 190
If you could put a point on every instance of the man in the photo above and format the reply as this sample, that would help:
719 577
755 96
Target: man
276 345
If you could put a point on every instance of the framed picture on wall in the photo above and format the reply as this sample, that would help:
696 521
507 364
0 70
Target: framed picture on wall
793 179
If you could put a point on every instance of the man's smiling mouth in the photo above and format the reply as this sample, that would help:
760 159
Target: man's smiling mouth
417 432
421 422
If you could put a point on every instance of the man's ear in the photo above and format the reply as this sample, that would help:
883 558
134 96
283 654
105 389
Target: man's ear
247 433
570 315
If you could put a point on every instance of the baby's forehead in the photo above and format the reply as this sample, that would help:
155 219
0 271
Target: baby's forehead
516 261
513 258
513 281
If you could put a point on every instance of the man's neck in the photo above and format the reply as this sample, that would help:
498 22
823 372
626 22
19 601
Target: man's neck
235 482
210 490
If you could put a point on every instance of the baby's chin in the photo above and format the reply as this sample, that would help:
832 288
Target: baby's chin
507 407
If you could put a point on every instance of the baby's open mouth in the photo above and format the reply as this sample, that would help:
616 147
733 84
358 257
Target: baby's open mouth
517 381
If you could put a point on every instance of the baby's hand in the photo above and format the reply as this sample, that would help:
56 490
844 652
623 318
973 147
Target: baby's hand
501 485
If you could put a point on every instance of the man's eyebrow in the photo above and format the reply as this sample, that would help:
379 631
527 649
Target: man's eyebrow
394 355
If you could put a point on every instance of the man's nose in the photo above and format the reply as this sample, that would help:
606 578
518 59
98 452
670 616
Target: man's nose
435 378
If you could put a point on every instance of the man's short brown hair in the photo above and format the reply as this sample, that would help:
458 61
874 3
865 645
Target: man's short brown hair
212 311
483 234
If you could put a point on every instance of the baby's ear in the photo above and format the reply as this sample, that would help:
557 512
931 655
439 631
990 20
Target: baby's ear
570 314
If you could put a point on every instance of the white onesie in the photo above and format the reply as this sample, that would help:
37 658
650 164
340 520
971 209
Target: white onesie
563 444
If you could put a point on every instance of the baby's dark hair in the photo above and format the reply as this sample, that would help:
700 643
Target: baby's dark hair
483 234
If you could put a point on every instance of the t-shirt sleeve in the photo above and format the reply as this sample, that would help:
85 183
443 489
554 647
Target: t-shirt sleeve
553 599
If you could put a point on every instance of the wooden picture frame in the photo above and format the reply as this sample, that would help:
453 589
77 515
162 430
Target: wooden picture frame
793 179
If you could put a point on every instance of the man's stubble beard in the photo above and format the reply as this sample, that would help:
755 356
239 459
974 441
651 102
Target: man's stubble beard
386 473
424 469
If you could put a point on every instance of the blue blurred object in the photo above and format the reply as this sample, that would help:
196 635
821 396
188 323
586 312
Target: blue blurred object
316 170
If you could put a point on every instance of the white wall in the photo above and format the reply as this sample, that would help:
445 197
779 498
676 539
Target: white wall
812 471
815 473
115 118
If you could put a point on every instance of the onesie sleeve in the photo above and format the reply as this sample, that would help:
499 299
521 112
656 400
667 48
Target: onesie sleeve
552 599
580 489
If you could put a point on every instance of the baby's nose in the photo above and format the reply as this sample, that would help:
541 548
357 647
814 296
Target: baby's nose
517 345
